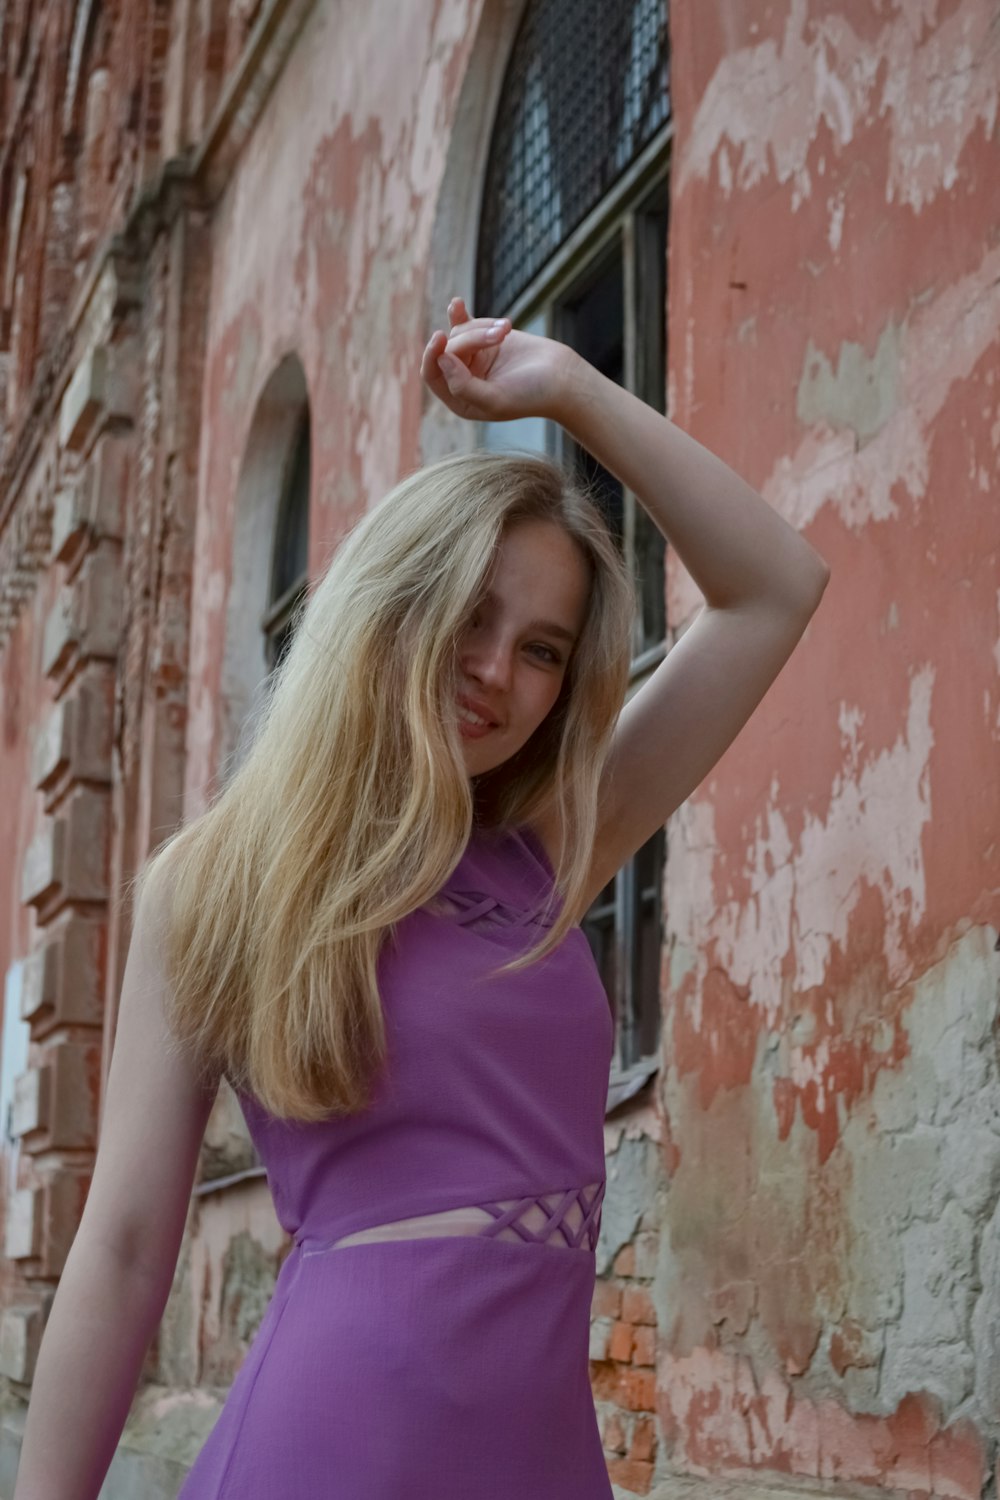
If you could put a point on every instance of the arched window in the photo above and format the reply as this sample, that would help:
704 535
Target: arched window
586 90
573 243
290 551
270 554
269 575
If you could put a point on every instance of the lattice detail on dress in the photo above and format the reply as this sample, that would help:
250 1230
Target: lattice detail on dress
565 1219
467 907
513 1215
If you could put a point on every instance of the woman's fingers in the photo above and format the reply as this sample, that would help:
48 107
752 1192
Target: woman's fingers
455 365
430 371
471 324
447 376
482 334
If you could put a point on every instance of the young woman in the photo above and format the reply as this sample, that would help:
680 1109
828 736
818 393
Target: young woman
373 934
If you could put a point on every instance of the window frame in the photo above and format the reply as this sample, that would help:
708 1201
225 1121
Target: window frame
617 220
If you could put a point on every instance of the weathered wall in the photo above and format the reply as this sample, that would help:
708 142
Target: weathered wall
319 248
800 1248
827 1280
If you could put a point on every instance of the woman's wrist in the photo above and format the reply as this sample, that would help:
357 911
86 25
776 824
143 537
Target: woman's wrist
575 387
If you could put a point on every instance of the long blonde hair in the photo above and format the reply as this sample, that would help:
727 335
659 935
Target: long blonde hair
353 805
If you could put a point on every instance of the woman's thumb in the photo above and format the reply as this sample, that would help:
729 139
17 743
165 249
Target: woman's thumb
452 369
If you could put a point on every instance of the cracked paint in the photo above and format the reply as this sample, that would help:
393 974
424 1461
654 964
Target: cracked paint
933 75
320 246
826 1283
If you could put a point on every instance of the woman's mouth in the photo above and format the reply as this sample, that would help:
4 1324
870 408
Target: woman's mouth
472 725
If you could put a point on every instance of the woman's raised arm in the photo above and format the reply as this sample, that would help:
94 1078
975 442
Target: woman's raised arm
761 580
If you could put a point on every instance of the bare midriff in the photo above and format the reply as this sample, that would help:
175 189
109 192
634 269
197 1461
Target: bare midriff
476 1221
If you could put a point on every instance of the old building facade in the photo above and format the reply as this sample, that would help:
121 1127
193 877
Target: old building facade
227 228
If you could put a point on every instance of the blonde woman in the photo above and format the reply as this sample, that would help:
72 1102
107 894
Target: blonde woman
373 934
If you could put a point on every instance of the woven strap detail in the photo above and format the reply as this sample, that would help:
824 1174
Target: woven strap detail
512 1217
474 906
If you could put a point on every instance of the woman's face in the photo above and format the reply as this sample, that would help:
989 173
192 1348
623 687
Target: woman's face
514 649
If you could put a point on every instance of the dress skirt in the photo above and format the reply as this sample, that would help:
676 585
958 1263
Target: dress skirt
439 1368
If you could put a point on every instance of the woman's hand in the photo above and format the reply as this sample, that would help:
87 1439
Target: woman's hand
487 371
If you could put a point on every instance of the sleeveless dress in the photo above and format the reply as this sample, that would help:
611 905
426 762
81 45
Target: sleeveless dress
444 1357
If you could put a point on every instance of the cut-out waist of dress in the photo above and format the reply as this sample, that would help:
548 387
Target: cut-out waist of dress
569 1218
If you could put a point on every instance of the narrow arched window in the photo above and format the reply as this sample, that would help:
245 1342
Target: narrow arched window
290 551
573 243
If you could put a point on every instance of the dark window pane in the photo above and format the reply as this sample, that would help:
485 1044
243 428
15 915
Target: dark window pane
591 319
649 864
290 553
599 930
586 88
291 538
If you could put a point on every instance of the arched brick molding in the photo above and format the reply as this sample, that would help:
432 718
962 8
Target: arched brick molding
264 475
452 261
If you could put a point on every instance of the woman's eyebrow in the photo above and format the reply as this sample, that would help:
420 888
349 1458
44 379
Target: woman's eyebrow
545 627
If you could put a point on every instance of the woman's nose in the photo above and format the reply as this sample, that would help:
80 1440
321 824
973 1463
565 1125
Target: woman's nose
489 663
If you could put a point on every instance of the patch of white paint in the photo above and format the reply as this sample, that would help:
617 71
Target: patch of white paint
939 82
850 721
940 344
725 172
801 898
836 206
13 1062
689 890
378 438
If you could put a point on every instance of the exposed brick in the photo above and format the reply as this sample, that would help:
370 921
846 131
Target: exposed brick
607 1300
62 1205
75 739
600 1338
630 1474
68 857
83 402
86 619
613 1434
637 1305
102 388
91 505
32 1102
644 1349
23 1230
61 982
21 1331
643 1441
638 1390
620 1346
55 1102
624 1262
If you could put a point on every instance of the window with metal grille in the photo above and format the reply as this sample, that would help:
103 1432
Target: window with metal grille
290 552
583 259
586 89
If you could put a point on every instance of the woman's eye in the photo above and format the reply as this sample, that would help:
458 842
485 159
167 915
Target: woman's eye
550 655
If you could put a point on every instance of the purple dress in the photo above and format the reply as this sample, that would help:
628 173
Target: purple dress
446 1363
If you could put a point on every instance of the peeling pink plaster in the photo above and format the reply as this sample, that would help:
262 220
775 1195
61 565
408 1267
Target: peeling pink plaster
929 72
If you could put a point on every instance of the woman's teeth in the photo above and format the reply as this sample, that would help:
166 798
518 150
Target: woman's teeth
470 717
